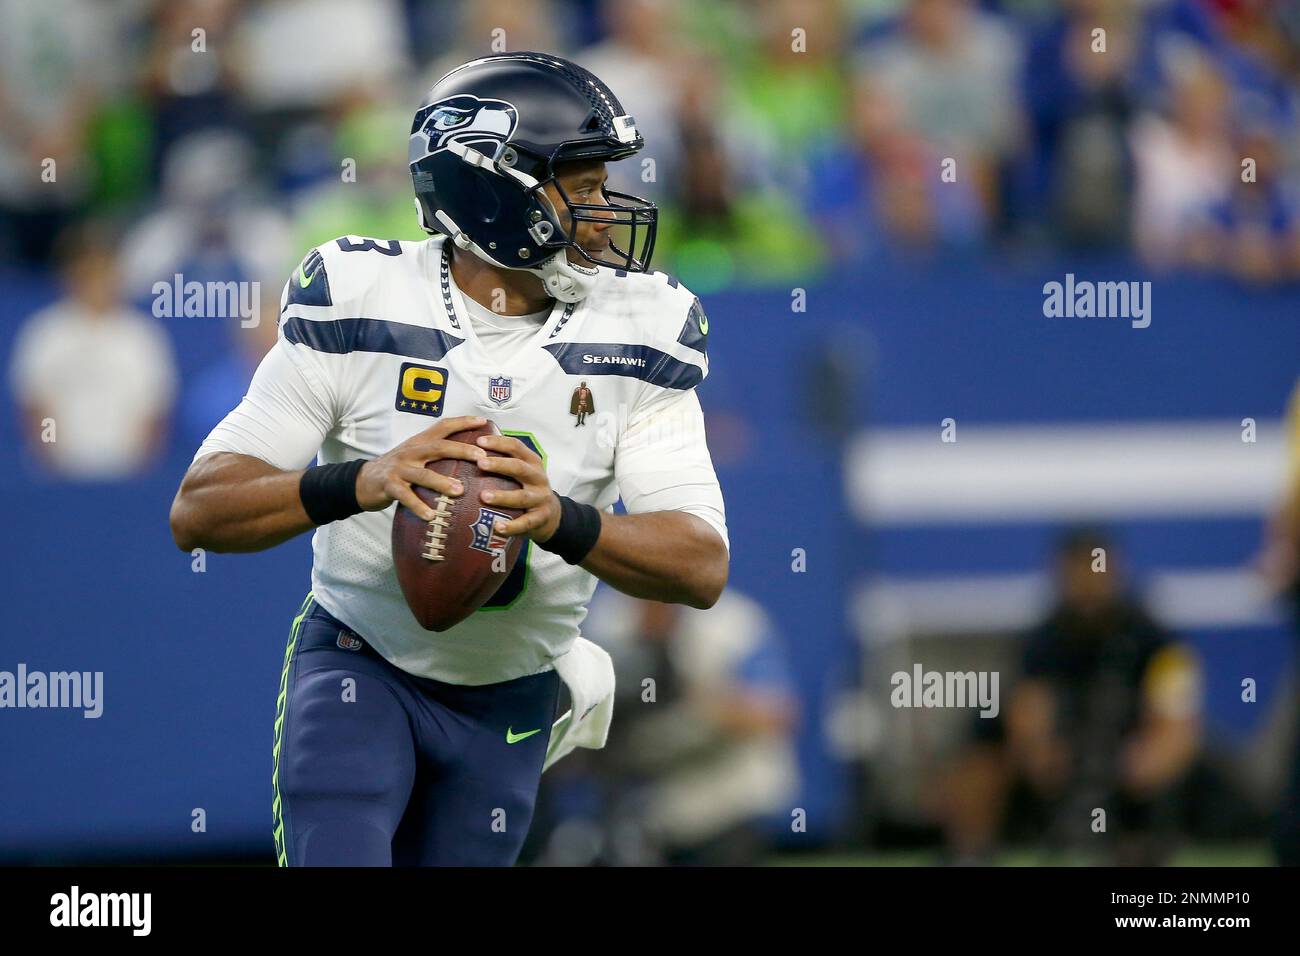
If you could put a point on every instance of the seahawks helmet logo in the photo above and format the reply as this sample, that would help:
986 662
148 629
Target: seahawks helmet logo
481 123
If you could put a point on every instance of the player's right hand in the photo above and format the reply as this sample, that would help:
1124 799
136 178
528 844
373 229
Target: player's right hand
390 476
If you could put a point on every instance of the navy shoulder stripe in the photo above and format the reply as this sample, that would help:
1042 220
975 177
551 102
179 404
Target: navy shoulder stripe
636 361
309 285
695 333
341 336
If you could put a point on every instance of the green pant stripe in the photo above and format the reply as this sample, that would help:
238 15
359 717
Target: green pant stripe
281 858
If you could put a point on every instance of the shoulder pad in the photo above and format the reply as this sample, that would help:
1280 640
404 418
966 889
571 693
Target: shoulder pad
654 311
340 270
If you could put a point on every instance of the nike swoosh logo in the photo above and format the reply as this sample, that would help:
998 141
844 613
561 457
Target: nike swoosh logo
704 325
514 738
303 281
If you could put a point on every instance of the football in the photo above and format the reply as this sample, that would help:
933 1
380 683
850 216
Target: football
450 566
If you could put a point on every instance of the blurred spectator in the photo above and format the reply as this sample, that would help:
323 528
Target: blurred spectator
886 191
1105 715
1279 560
943 86
1254 231
1256 54
1184 161
298 61
750 110
376 200
1080 101
500 26
212 222
51 76
295 56
719 233
641 61
94 380
190 81
789 94
701 751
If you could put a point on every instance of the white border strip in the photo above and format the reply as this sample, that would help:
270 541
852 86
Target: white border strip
890 609
1063 472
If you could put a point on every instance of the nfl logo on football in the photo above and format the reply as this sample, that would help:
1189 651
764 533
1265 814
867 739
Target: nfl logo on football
485 538
499 389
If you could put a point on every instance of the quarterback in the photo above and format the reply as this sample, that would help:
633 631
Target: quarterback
531 304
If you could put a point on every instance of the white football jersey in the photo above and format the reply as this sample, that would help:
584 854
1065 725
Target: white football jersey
376 344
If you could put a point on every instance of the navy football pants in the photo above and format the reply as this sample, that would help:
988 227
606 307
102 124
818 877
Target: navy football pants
377 767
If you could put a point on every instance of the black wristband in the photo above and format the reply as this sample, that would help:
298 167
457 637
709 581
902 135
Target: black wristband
329 492
577 532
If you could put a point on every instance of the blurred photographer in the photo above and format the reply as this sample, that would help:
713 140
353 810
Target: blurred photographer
701 754
1106 716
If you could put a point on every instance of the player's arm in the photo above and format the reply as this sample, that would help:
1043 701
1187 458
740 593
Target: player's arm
1169 734
668 556
1034 744
671 546
235 502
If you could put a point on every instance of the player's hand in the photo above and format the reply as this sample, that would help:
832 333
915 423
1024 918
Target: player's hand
390 476
510 456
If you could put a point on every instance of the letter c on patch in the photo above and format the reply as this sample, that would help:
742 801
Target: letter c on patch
421 389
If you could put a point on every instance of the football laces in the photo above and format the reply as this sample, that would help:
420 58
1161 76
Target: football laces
435 536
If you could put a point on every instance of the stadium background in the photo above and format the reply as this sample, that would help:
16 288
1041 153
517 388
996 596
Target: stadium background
855 302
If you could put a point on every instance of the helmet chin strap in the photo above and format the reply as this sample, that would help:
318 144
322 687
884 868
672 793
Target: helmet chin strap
563 279
566 281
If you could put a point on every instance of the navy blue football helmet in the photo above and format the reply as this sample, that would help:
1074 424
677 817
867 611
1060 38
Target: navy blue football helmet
488 137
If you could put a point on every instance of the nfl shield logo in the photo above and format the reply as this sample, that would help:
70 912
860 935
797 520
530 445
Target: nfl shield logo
485 539
499 389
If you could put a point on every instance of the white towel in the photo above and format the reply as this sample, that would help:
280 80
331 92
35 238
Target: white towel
588 671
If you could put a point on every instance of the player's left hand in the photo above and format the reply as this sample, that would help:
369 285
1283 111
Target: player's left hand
541 508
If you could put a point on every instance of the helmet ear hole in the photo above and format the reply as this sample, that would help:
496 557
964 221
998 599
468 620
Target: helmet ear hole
487 204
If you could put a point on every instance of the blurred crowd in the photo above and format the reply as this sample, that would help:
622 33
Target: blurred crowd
1104 712
218 140
784 136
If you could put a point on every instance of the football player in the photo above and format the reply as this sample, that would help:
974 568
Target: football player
532 303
